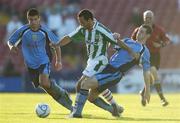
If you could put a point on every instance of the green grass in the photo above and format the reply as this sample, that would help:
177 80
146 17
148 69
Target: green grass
19 108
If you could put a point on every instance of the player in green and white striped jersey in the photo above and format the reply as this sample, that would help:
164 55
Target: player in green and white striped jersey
97 42
97 38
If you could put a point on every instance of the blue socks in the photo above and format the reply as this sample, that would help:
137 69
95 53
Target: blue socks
102 104
61 95
81 98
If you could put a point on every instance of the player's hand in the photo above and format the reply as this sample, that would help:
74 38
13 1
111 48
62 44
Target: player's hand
58 66
157 45
147 94
116 36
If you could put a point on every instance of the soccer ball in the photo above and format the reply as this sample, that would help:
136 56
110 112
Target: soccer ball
42 110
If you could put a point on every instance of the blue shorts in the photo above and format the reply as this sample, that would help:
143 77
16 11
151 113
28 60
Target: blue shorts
34 73
108 78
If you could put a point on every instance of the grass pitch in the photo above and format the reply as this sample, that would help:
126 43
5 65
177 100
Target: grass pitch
19 108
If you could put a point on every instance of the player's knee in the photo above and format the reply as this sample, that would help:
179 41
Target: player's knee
45 84
91 98
93 94
44 81
84 85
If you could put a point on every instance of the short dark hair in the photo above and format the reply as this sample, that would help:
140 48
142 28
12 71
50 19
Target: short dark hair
33 12
148 28
87 14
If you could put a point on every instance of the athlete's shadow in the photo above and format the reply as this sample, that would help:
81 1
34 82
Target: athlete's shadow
21 113
146 119
93 117
129 118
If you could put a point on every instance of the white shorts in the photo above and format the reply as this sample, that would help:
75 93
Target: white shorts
95 65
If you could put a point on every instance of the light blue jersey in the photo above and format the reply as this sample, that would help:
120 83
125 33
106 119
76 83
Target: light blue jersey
121 58
35 45
121 62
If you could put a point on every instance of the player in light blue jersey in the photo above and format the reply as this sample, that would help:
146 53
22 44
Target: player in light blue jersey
34 40
119 64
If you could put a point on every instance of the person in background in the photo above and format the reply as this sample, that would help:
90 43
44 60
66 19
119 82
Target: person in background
155 42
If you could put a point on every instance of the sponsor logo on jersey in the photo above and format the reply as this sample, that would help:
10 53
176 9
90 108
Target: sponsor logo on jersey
34 37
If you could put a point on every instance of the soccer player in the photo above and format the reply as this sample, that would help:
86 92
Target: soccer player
34 40
97 38
119 64
155 42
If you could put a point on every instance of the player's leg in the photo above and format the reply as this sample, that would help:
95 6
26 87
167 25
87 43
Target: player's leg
105 80
158 87
107 94
40 77
82 96
99 102
155 63
58 93
78 84
95 67
64 98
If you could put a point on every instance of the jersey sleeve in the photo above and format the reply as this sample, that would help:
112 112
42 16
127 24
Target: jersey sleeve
51 36
146 60
77 35
109 37
107 34
124 40
15 38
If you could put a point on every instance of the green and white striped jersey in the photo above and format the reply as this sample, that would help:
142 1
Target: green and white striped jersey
96 40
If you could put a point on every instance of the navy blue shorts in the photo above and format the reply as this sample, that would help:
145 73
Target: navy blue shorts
108 78
34 73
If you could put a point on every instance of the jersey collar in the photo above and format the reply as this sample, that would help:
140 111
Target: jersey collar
95 23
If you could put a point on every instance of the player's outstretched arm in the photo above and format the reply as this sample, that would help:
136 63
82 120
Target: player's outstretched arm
121 44
65 40
147 77
125 47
